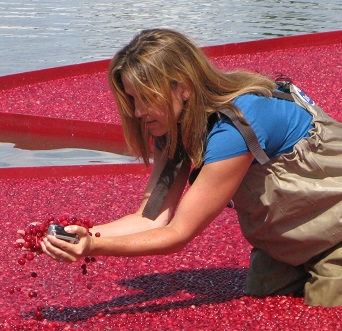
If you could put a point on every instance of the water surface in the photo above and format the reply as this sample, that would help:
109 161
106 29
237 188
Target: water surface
36 34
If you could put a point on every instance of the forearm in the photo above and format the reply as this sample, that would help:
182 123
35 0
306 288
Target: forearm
165 240
126 225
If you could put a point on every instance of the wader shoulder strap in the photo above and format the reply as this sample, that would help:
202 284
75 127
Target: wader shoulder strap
164 183
283 95
249 136
166 179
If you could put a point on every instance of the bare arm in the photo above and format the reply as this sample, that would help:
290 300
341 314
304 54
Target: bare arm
214 187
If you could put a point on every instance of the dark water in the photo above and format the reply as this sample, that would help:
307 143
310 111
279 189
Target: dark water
36 34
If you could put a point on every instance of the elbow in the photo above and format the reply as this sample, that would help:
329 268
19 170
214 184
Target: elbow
178 247
177 243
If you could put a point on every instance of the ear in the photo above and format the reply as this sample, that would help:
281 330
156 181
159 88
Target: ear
186 90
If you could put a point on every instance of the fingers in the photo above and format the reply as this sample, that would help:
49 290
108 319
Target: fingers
50 250
63 251
55 248
80 230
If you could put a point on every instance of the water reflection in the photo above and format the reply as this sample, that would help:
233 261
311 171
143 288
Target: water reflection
16 157
27 149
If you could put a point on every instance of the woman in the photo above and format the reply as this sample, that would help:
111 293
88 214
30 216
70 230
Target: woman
286 187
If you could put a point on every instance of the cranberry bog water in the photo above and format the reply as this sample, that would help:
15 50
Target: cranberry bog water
200 288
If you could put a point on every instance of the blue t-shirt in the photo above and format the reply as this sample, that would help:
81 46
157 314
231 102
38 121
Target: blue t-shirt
278 124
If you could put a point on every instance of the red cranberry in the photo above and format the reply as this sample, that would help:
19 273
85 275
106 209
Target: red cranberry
26 245
18 245
29 256
28 238
38 315
21 261
32 294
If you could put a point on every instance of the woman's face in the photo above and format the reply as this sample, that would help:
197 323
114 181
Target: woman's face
153 117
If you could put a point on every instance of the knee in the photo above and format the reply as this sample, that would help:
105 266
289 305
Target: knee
324 288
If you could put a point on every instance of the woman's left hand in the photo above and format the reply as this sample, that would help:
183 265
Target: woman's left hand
63 251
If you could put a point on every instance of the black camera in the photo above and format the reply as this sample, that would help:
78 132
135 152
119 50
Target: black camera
58 231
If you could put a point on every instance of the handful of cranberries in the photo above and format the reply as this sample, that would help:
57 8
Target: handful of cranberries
34 234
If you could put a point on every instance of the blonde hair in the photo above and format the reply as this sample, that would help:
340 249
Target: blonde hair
154 62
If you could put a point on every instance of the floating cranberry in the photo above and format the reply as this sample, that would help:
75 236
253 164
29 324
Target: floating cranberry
89 286
29 256
21 261
34 274
39 315
33 294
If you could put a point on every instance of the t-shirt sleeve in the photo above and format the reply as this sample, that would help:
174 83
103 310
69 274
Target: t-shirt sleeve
278 125
224 142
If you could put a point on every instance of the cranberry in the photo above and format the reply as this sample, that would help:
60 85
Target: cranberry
21 261
32 294
26 245
97 234
29 256
18 245
28 238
